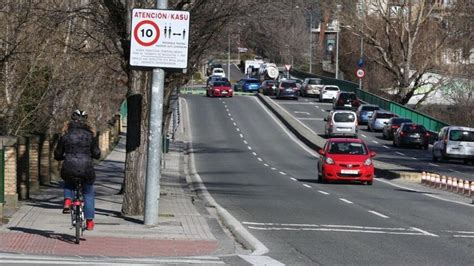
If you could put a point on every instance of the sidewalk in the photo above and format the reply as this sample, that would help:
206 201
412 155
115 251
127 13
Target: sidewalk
185 228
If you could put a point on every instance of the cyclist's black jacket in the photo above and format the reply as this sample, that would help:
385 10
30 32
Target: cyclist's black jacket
77 148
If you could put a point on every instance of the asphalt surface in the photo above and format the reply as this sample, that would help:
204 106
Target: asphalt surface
235 73
311 112
266 179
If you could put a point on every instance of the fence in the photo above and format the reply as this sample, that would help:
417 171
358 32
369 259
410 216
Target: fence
430 123
27 162
452 184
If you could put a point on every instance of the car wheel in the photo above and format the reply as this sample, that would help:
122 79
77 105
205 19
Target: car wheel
425 147
369 128
435 159
369 183
383 135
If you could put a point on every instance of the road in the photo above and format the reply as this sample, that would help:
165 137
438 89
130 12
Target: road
235 73
311 112
263 176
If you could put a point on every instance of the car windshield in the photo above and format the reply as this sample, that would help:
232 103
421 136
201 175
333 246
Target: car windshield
461 135
252 81
354 148
288 84
399 121
344 117
332 88
385 115
370 108
221 83
314 82
414 129
218 71
348 96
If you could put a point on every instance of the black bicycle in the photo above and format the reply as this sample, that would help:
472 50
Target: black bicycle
77 211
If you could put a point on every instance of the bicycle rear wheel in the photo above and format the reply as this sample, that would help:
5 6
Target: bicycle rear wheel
78 224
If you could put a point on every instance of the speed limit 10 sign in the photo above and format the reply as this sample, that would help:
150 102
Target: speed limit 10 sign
360 73
159 38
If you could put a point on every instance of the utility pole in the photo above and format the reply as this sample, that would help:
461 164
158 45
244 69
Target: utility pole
228 56
361 56
310 42
153 171
337 52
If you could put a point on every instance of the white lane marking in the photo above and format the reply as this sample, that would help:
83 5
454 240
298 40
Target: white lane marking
260 260
260 159
292 137
364 136
246 142
266 165
413 158
316 106
231 119
424 193
225 105
250 148
379 214
235 124
294 179
308 186
310 118
452 170
229 114
238 129
374 141
227 110
273 168
299 112
386 147
242 136
283 173
323 192
424 232
465 236
254 153
346 201
433 164
399 153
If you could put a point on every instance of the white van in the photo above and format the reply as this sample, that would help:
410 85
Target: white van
341 123
454 143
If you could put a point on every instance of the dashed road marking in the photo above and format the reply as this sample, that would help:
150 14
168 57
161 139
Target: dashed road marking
246 142
250 148
399 153
283 173
306 185
364 136
241 136
346 201
235 124
413 158
273 168
238 129
323 192
386 147
374 141
294 179
229 114
260 159
379 214
266 165
433 164
231 119
254 153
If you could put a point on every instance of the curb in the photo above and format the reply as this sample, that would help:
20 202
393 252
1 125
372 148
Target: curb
241 234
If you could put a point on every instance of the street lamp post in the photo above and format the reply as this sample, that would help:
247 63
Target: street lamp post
228 57
310 42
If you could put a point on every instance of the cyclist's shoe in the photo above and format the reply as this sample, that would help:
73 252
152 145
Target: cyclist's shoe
67 206
89 224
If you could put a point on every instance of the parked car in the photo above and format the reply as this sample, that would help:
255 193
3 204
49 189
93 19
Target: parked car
364 112
411 134
341 123
268 87
378 120
454 143
328 92
392 125
219 89
346 101
311 87
247 85
347 160
218 72
287 89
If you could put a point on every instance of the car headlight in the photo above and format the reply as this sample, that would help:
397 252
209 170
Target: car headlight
329 160
368 162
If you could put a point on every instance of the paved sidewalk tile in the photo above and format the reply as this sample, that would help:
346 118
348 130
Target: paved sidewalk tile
39 227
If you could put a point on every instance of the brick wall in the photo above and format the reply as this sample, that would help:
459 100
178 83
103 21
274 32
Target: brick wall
44 164
33 162
23 168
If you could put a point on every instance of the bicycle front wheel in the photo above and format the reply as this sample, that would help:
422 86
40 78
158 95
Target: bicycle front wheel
78 223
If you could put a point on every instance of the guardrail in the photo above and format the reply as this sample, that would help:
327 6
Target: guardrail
430 123
202 91
452 184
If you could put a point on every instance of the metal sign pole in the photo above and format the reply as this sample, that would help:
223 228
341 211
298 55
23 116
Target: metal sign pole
153 171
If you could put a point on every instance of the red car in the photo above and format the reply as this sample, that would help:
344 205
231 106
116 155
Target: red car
219 89
346 159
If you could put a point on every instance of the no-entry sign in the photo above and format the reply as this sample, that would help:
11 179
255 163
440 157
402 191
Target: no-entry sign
159 38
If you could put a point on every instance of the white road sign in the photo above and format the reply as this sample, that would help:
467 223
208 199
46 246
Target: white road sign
159 38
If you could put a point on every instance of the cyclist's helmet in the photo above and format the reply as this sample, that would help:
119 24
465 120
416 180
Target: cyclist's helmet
79 115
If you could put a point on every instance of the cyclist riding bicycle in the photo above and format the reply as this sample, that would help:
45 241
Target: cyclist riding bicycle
77 148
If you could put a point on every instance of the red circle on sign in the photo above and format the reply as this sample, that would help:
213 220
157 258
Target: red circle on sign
153 24
360 73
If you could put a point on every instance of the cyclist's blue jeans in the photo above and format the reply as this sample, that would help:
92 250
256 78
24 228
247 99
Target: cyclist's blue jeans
89 198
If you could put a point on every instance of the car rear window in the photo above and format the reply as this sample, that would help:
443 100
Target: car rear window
218 71
354 148
314 82
344 117
461 135
331 88
288 84
370 108
252 81
348 96
385 115
399 121
414 129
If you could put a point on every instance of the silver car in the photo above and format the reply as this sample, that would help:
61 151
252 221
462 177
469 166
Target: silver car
341 123
379 119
